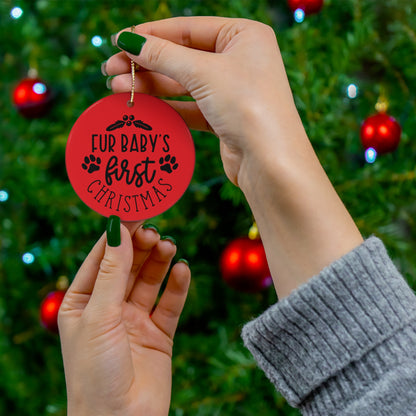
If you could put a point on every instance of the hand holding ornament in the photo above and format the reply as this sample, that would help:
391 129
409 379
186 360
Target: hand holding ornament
116 346
234 71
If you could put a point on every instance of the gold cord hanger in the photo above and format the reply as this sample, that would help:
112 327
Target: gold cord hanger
130 103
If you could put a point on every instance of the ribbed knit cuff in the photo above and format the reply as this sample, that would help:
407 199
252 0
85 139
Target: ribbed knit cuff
337 333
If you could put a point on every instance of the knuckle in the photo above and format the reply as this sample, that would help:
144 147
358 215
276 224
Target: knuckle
194 78
108 269
264 29
170 311
268 30
187 37
155 53
259 28
61 318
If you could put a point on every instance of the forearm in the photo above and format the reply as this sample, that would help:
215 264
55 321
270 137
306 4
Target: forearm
343 343
303 223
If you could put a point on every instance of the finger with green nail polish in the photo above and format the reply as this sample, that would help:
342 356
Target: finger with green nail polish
113 231
131 42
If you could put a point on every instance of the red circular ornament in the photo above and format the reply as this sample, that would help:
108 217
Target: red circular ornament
49 310
244 265
308 6
381 132
32 97
133 162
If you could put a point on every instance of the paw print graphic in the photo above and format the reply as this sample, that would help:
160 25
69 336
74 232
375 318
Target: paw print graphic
168 163
91 164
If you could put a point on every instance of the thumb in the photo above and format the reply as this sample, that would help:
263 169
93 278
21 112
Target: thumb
184 65
110 286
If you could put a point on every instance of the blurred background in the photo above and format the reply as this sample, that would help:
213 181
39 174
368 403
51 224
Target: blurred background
347 61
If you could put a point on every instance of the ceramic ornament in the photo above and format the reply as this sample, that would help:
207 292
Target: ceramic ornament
130 160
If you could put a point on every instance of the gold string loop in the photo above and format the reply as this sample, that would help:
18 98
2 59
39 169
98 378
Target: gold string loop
130 103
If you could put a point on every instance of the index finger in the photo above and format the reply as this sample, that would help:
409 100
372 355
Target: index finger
197 32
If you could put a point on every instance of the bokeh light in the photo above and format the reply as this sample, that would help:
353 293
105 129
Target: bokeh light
299 15
28 258
97 41
16 12
370 155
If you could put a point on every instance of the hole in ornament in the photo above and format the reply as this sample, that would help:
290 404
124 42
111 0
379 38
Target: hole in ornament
130 103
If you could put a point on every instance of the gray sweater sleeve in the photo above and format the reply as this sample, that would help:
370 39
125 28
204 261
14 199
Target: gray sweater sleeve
345 342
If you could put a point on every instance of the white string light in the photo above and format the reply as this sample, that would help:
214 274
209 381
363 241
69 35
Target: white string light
28 258
4 195
97 41
352 91
16 13
370 155
299 15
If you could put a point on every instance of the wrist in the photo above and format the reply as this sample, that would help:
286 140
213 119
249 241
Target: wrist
303 223
273 151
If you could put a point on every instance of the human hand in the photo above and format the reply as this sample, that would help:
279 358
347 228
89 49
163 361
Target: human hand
233 70
117 352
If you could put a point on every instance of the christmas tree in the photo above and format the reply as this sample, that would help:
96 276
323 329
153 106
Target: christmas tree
341 60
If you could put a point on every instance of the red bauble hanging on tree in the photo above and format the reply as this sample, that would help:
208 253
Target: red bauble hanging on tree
32 97
380 132
49 309
308 6
244 266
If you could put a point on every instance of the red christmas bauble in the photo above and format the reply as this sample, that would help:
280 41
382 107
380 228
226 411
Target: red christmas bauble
244 266
49 309
308 6
32 97
381 132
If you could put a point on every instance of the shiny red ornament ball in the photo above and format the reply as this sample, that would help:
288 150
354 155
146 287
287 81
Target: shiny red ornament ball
32 97
49 309
381 132
244 266
308 6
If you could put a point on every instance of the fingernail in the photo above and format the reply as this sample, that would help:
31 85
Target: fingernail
114 39
113 231
103 68
169 238
184 261
150 227
108 82
131 42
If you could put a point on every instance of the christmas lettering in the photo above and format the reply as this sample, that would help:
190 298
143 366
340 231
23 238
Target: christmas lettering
141 173
129 143
139 202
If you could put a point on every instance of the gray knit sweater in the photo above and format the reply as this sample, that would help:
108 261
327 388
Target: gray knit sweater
345 342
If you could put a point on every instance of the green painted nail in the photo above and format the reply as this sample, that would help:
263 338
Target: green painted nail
131 42
113 231
108 82
150 227
104 69
169 238
183 261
